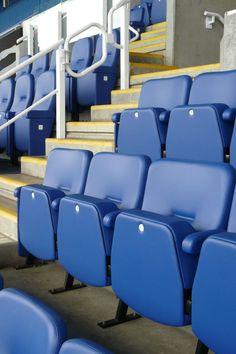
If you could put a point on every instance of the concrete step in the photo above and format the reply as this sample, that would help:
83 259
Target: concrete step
92 145
153 33
154 48
146 58
90 130
9 182
33 166
105 112
147 42
156 26
8 218
143 68
126 96
192 71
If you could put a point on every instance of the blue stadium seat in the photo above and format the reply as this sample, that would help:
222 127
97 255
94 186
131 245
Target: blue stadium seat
95 88
31 130
37 233
81 58
82 346
202 130
28 326
23 96
155 251
7 89
158 12
140 17
214 291
40 66
143 130
52 65
26 70
1 283
85 227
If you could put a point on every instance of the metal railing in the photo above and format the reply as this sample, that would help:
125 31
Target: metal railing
211 18
63 64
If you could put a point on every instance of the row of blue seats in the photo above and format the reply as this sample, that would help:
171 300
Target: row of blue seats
35 81
28 326
149 12
178 118
132 222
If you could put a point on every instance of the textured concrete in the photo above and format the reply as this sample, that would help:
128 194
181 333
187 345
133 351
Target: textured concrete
154 33
147 42
127 96
146 58
193 44
9 182
228 44
158 47
33 166
102 113
82 309
8 219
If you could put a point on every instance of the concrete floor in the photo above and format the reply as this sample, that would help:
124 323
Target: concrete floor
83 308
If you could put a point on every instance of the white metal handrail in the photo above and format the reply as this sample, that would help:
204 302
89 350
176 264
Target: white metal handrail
136 33
21 39
93 66
27 110
211 18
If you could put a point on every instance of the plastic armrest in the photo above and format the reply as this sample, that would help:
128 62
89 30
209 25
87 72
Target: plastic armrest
110 219
164 116
41 115
56 203
229 114
17 192
116 118
192 244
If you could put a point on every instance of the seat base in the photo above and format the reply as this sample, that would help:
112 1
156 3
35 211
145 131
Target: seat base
31 262
68 286
121 316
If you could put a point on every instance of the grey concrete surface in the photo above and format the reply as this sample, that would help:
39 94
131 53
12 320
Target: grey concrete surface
82 309
228 44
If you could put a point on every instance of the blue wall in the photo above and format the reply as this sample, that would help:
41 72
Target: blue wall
20 10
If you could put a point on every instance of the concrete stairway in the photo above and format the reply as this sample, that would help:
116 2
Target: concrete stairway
147 61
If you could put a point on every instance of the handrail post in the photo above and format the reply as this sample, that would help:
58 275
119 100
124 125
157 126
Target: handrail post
61 96
124 52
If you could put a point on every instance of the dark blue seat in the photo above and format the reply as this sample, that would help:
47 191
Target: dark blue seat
214 291
26 70
158 12
7 90
95 88
28 326
66 174
31 130
82 346
23 96
81 58
202 130
39 66
143 130
85 227
140 17
158 247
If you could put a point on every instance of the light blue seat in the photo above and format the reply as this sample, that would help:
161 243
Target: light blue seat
95 88
7 90
158 247
39 66
85 228
143 130
82 346
202 130
26 70
31 131
66 174
214 291
28 326
140 17
23 97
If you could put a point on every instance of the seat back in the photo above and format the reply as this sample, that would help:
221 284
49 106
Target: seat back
40 65
214 87
26 70
137 14
52 65
69 176
158 13
165 93
24 92
44 85
28 326
119 178
112 53
81 55
82 346
7 88
199 193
